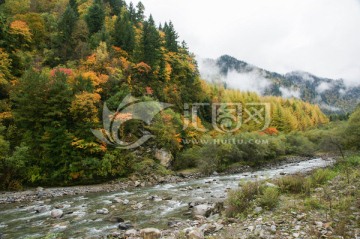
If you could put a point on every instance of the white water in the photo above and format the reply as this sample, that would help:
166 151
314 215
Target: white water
23 222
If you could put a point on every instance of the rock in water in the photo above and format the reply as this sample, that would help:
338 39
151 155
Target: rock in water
57 213
150 233
41 209
202 210
124 225
102 211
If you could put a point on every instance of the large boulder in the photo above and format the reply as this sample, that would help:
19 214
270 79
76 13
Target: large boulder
164 156
150 233
195 234
202 210
57 213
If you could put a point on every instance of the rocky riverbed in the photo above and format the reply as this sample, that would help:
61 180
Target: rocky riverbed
41 193
126 208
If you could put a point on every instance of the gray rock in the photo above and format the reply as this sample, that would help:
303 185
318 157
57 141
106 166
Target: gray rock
271 185
117 200
131 233
138 206
301 216
258 209
103 211
202 210
319 224
296 235
57 213
150 233
125 225
195 234
41 209
164 156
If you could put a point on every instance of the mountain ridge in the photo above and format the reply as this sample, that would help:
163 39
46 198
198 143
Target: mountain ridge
332 95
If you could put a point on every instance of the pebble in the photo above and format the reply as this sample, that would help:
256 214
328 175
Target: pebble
103 211
150 233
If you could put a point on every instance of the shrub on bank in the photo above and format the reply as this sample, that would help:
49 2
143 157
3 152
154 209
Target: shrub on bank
269 198
321 176
241 200
292 184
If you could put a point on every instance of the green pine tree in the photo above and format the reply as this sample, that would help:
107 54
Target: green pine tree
124 35
116 6
74 5
66 27
132 12
140 12
151 43
95 17
171 37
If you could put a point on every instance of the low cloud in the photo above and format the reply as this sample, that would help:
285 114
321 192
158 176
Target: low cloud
289 93
252 81
323 87
329 107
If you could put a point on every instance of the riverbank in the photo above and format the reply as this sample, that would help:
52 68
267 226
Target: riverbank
169 207
320 204
40 193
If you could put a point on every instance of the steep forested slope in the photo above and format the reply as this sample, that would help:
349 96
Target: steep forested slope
60 61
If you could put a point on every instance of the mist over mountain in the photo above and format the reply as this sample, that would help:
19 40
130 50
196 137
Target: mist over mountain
332 95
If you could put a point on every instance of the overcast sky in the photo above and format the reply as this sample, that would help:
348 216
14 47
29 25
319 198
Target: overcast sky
318 36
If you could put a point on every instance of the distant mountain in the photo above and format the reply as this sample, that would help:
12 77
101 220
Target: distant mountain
333 96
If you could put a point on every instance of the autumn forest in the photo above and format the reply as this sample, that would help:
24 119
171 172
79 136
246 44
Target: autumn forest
60 61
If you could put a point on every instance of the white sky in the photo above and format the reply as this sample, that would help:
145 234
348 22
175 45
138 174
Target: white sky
318 36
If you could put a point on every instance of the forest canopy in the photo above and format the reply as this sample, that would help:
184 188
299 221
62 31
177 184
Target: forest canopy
60 61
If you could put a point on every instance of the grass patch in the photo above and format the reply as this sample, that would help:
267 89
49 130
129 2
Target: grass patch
292 184
321 176
269 198
313 203
240 201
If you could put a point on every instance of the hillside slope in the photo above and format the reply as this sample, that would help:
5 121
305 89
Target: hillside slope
333 96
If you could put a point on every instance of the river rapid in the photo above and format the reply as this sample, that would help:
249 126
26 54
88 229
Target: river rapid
155 206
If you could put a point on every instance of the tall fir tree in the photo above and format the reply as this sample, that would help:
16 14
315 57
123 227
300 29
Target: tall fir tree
140 9
132 12
95 17
171 37
66 27
124 35
151 43
74 5
116 6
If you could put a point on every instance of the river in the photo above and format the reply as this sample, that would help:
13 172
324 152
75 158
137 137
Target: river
143 207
